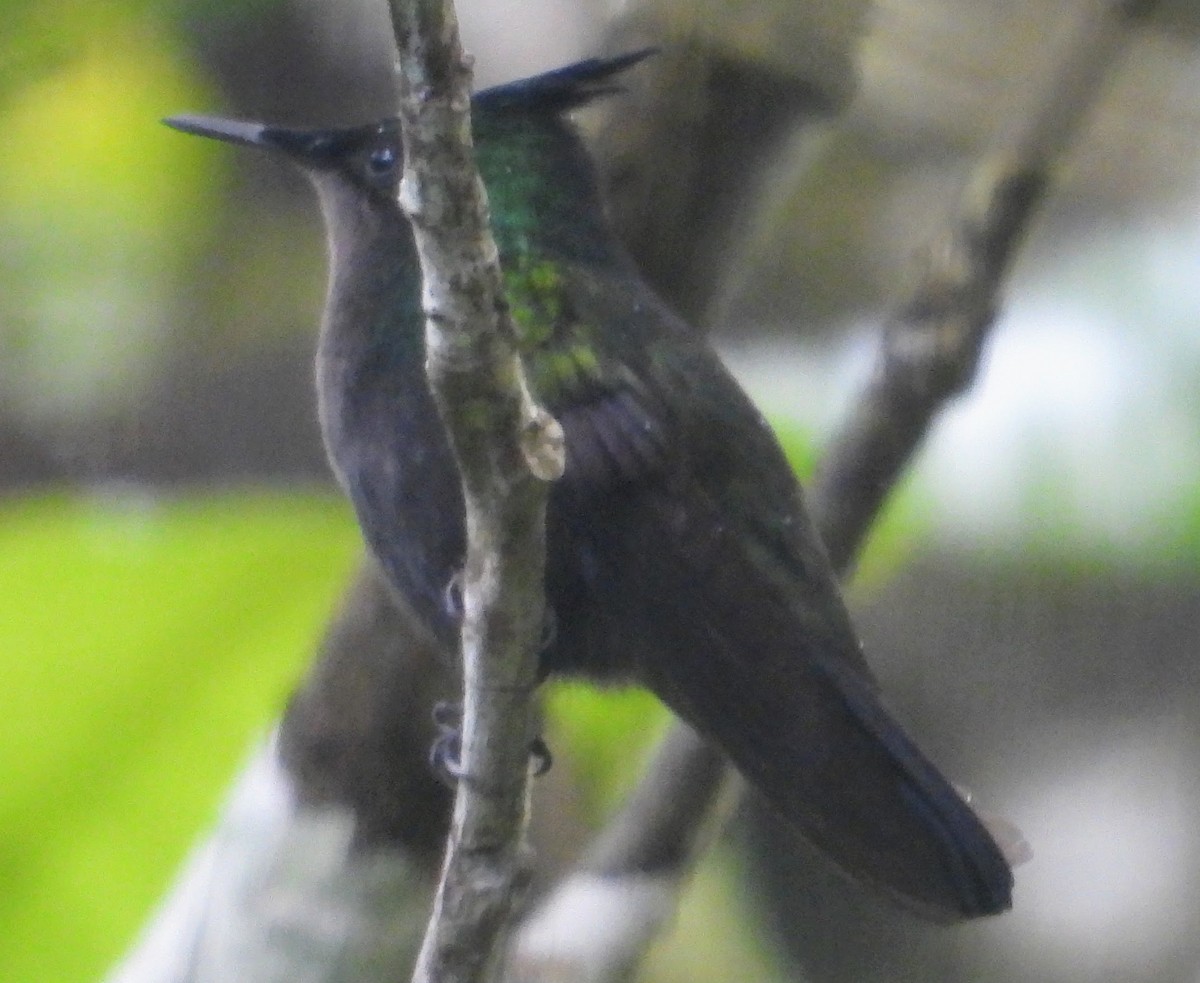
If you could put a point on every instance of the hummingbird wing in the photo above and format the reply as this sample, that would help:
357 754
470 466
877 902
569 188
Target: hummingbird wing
679 521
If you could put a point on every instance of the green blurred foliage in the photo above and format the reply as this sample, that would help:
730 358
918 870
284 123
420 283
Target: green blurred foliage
144 644
42 38
96 207
610 733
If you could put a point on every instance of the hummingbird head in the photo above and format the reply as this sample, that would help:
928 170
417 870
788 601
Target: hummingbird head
366 157
356 170
532 161
369 157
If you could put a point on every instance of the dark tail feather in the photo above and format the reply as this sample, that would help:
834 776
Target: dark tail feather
781 691
848 777
974 866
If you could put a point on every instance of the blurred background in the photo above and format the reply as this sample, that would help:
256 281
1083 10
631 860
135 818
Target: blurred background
172 546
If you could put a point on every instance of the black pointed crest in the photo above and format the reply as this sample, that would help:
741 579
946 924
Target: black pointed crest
563 89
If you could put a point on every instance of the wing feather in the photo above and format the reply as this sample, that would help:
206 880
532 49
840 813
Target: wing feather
686 529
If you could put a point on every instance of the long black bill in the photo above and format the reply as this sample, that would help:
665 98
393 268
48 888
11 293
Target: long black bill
310 147
228 130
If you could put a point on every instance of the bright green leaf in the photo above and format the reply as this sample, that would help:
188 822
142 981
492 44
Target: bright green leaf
144 645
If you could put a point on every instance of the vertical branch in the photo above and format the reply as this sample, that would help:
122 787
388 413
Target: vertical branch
507 449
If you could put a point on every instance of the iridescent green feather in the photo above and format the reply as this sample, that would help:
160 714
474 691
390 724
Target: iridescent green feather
556 345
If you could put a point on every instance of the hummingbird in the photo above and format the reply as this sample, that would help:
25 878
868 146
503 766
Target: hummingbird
680 556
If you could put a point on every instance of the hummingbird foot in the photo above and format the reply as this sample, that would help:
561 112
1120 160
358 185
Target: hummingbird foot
452 597
445 757
539 751
445 754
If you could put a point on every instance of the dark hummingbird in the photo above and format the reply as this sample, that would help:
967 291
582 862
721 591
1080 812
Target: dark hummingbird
680 555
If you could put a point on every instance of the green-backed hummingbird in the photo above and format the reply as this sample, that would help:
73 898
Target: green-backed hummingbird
679 552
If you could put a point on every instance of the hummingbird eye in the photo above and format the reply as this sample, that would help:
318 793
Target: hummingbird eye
381 162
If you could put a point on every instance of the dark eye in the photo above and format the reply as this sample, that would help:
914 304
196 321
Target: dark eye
382 162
